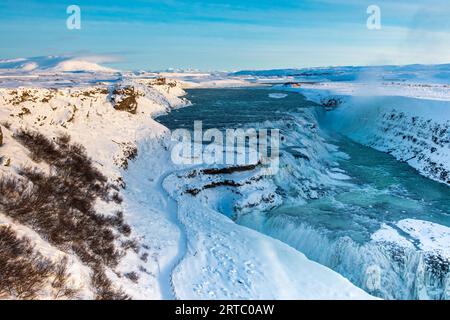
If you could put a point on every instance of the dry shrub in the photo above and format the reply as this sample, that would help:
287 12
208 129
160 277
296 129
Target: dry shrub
144 257
59 282
130 244
118 222
24 272
130 152
60 205
104 286
24 96
6 124
133 276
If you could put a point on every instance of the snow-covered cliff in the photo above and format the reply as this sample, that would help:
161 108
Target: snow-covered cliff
409 121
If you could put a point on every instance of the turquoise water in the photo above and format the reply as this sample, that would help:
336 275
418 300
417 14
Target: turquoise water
336 229
382 190
232 108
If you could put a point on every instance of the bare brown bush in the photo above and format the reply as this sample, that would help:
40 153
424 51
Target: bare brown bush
133 276
60 205
59 282
104 286
24 272
6 124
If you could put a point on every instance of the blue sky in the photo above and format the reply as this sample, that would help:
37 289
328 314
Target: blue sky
229 35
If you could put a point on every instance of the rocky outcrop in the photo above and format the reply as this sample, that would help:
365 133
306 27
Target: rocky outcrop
125 99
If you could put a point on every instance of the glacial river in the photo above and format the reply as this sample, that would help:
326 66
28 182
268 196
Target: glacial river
337 229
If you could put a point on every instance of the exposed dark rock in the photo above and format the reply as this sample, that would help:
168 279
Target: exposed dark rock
229 170
125 99
330 103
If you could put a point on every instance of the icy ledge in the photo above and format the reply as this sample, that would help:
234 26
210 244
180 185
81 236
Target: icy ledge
429 237
422 250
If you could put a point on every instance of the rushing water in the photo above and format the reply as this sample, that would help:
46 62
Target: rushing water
336 229
232 108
